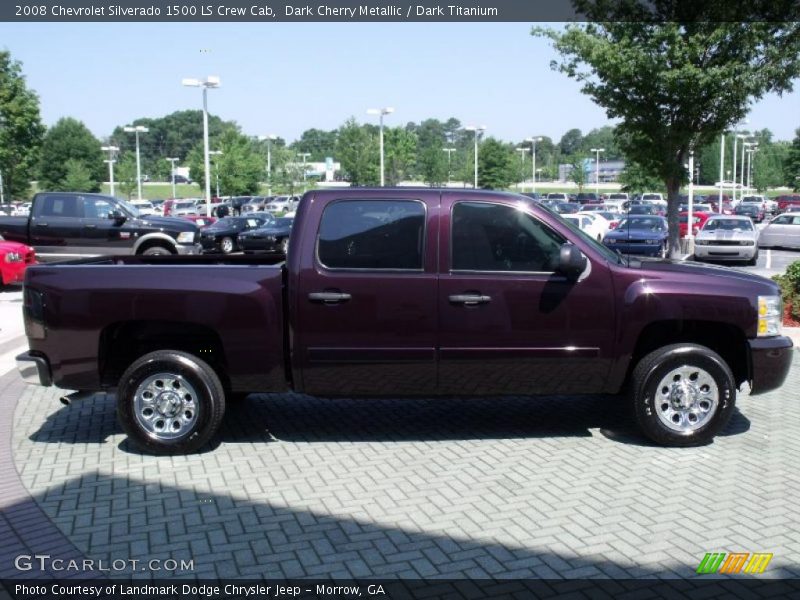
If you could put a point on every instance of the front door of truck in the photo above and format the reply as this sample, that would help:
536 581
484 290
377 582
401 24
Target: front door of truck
365 298
509 324
101 234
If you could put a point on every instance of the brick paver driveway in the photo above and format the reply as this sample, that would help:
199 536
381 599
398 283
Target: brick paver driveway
555 487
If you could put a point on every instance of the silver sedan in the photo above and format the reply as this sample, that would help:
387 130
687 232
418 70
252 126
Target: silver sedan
782 231
727 237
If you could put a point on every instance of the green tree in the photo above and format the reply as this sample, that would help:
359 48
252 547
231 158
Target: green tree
240 166
604 137
70 139
571 142
319 143
21 129
791 165
577 173
431 158
77 178
287 171
677 74
497 166
125 174
636 180
358 152
400 154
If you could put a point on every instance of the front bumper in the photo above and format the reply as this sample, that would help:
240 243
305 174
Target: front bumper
34 369
725 252
770 361
189 248
633 248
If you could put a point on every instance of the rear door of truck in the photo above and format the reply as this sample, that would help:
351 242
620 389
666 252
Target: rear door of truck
56 224
364 300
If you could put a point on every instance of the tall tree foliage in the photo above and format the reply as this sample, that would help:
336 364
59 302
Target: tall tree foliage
69 139
21 129
357 149
791 167
677 74
497 164
240 167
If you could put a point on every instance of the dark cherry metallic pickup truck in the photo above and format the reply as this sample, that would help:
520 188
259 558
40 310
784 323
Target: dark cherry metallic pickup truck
401 292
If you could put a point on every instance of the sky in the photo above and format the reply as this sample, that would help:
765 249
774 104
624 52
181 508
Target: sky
284 78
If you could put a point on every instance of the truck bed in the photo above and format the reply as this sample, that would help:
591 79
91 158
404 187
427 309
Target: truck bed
98 312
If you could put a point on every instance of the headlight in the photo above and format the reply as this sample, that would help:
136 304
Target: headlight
746 243
13 257
770 315
270 238
186 237
652 242
701 242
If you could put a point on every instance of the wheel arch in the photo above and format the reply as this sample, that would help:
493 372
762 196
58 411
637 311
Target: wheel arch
154 239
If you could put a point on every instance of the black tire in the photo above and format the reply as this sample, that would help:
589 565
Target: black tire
753 261
227 245
644 393
209 401
156 250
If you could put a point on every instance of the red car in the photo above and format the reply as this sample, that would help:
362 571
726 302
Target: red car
14 259
201 221
698 220
787 201
727 207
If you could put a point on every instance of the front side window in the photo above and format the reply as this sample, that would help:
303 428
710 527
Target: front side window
495 237
372 234
96 208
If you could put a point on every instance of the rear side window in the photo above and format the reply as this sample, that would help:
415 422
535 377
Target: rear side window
495 237
372 234
57 205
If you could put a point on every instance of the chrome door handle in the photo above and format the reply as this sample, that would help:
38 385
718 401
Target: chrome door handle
41 224
470 299
90 226
329 297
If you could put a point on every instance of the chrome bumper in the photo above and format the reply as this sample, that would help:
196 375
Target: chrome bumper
189 249
34 369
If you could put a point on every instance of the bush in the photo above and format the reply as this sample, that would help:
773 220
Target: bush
790 289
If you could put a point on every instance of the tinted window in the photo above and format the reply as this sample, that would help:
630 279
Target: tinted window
493 237
372 234
96 208
57 205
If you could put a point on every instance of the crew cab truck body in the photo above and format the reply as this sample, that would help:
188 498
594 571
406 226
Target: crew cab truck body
405 292
64 225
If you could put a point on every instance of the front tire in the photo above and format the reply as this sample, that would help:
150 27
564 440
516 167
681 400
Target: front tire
170 402
682 394
753 261
226 244
156 251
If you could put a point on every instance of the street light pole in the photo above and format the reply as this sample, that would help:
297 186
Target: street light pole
304 156
209 82
597 152
269 139
449 152
381 111
137 130
690 216
721 168
172 162
522 152
533 141
111 151
2 192
476 129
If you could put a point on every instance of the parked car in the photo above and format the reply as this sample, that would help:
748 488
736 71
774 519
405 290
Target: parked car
535 196
593 207
68 224
200 220
14 259
754 211
587 198
783 231
643 209
237 202
282 204
639 234
652 197
612 217
256 204
698 220
513 301
180 208
560 197
591 223
144 207
566 208
697 207
760 201
180 179
222 236
727 237
786 201
727 205
270 237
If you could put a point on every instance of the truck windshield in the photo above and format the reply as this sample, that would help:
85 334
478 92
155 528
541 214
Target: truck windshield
608 254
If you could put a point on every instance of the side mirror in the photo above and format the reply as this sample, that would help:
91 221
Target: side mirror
570 261
117 216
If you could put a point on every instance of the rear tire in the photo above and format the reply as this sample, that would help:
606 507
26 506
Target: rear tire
170 402
226 245
682 394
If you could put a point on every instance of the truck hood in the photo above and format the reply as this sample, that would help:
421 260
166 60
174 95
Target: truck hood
168 223
708 273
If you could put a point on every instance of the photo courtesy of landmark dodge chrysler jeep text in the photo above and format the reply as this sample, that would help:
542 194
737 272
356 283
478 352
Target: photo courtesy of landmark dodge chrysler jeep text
406 292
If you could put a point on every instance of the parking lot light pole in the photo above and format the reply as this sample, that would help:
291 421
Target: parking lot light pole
2 193
721 168
137 130
172 162
381 111
597 152
112 150
690 216
268 138
477 129
209 82
533 141
522 152
449 153
304 156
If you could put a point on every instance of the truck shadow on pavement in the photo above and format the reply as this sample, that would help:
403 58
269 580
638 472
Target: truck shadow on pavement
270 418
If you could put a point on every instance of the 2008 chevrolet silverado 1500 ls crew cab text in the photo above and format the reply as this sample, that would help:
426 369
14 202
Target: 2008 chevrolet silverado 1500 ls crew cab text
400 292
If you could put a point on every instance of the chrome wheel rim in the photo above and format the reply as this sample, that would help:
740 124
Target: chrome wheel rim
285 245
686 399
166 406
227 245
